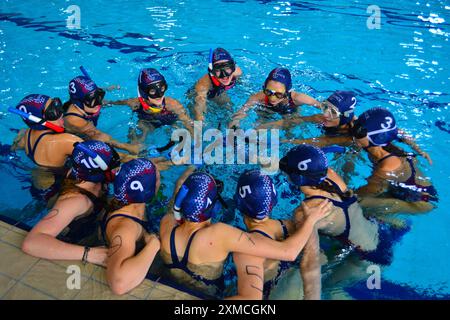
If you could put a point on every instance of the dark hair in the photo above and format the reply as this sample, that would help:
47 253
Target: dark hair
66 105
397 151
114 205
326 186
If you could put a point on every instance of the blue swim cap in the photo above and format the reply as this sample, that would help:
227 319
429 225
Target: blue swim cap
79 88
255 194
345 102
380 125
147 77
306 165
34 104
135 182
281 75
197 198
221 54
85 168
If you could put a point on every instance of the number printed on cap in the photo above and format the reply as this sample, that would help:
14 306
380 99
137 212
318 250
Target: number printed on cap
388 123
303 165
72 87
244 190
136 185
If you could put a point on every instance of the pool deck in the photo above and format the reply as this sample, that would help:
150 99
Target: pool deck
23 277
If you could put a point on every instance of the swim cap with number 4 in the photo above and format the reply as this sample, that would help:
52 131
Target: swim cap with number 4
135 182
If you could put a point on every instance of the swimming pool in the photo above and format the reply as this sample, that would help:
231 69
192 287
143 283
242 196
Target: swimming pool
404 66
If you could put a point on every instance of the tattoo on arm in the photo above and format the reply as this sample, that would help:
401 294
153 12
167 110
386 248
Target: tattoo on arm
116 244
51 214
247 270
248 237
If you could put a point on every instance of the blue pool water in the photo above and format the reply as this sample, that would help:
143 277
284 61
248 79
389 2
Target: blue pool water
404 66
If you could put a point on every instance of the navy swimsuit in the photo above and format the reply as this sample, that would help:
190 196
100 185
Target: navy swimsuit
410 190
282 266
217 90
343 204
58 173
165 117
182 264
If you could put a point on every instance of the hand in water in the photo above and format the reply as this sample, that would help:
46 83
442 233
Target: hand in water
427 156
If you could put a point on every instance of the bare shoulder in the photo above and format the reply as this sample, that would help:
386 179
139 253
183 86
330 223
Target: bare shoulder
173 103
203 84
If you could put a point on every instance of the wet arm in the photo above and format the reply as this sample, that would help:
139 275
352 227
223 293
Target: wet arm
19 141
242 113
410 142
132 103
301 98
201 90
87 128
310 268
323 141
250 273
124 270
41 241
180 111
376 185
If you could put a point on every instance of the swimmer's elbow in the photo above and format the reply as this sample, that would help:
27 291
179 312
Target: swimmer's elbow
29 244
118 284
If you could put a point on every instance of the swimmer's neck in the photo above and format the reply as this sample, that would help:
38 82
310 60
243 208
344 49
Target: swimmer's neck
254 223
94 187
134 209
193 226
309 191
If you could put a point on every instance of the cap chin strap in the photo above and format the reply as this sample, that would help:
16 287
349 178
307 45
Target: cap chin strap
145 105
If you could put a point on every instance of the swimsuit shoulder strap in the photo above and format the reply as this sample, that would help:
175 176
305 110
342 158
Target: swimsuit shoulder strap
261 233
184 261
173 249
385 157
284 228
32 148
68 114
142 223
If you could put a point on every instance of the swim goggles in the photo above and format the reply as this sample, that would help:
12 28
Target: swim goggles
224 69
269 93
156 90
329 111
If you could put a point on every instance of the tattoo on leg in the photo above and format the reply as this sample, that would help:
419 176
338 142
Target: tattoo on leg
116 244
248 237
51 214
